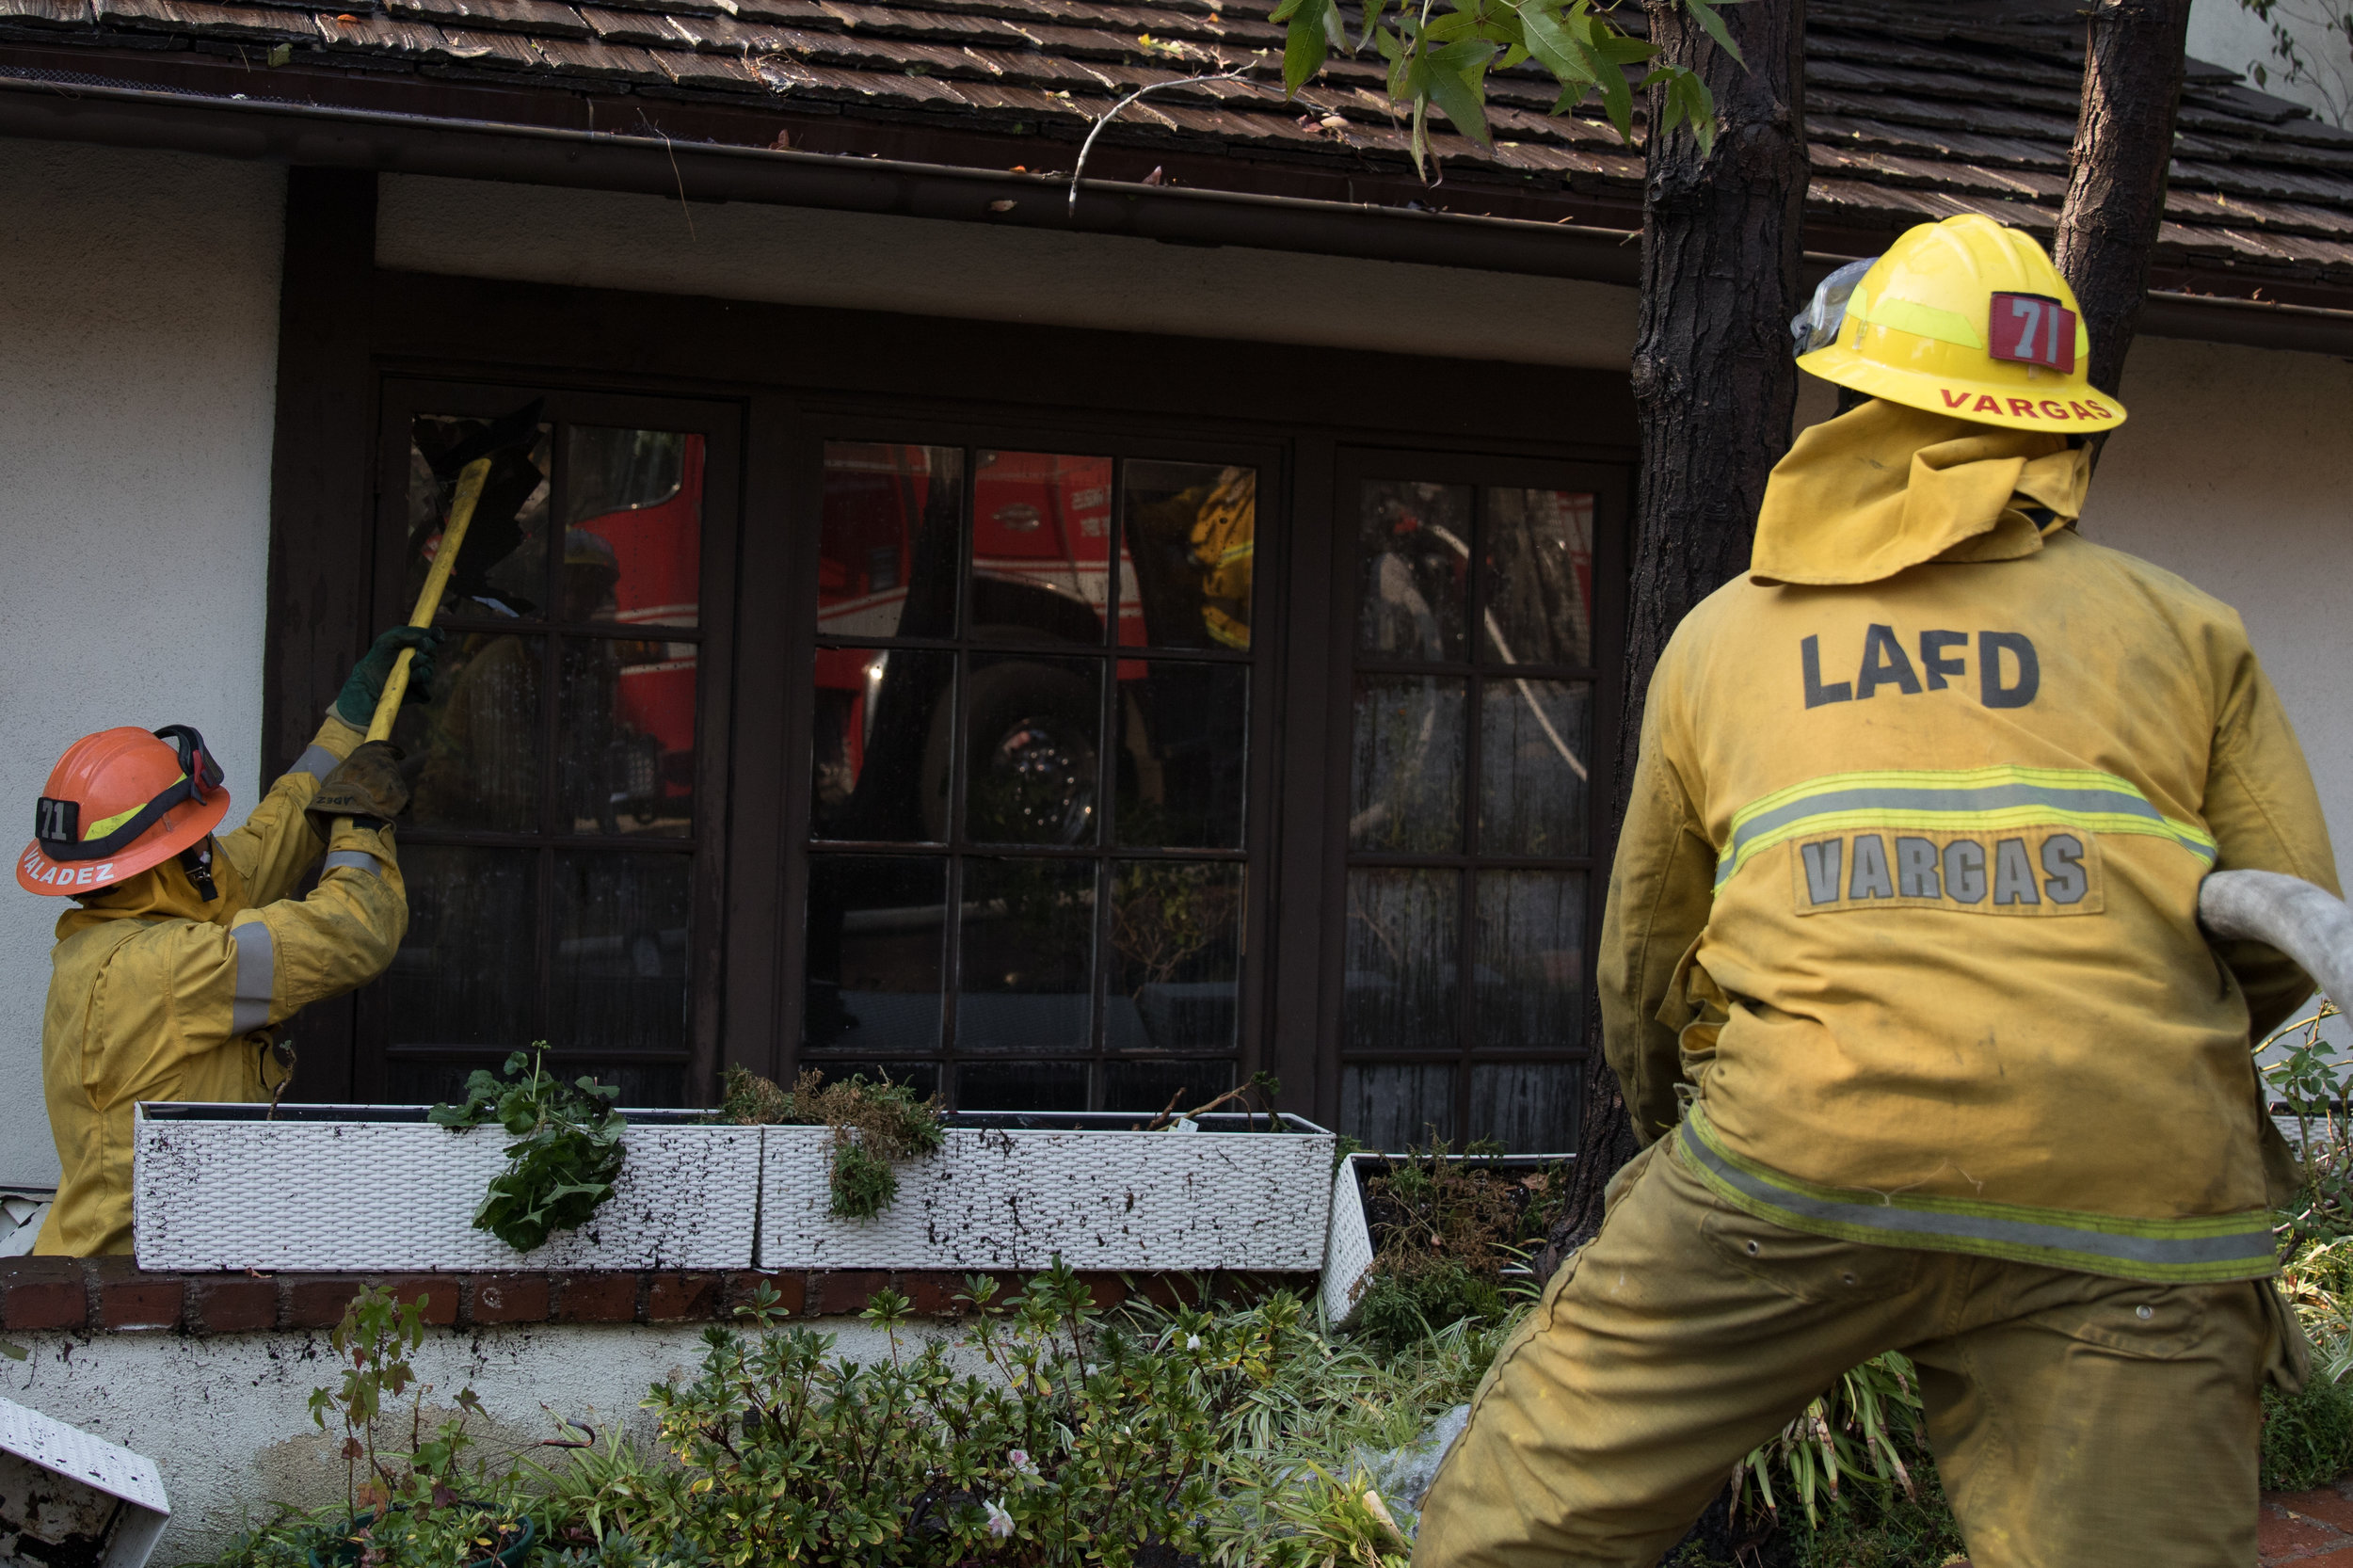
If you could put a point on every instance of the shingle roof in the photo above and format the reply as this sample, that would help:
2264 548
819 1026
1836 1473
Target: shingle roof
1917 109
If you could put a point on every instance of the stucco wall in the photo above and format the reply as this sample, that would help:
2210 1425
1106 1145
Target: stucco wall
2226 32
226 1417
139 334
2237 470
793 255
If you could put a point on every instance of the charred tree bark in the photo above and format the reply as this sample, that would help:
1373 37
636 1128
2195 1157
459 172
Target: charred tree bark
1716 385
2133 65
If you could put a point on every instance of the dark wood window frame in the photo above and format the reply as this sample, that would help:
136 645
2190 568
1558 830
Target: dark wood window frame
799 376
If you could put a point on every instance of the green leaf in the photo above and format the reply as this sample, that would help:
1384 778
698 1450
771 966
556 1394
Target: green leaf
1307 46
1704 13
1372 20
1551 45
1458 84
1702 112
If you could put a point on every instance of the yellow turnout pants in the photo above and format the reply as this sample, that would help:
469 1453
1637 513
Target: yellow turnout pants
2077 1421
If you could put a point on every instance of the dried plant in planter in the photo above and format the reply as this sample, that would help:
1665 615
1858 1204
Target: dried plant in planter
875 1125
567 1151
1443 1232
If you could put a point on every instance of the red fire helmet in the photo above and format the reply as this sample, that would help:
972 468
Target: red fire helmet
118 802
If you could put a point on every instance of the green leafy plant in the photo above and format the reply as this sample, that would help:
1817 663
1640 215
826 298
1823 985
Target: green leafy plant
1440 57
1444 1231
417 1505
565 1155
1862 1427
2307 1437
1088 1442
876 1127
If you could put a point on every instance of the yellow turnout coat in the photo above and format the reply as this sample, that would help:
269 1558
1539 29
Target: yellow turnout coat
1905 903
156 995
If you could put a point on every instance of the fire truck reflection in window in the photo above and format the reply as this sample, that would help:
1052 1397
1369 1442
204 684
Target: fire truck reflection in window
1030 654
563 713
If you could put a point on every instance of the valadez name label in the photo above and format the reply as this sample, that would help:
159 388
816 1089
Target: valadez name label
2036 871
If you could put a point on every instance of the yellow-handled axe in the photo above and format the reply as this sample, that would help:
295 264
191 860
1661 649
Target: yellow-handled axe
470 482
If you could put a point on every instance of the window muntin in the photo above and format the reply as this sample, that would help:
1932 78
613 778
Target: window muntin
549 850
1469 838
1029 772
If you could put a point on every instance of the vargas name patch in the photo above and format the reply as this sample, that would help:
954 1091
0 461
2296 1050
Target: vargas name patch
2025 872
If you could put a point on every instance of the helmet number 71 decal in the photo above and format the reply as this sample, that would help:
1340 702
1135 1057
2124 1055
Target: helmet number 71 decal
2033 330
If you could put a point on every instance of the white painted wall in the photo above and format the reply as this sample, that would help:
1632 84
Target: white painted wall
226 1417
139 341
2225 32
927 267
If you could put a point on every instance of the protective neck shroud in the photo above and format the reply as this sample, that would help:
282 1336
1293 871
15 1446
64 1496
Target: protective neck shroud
1884 488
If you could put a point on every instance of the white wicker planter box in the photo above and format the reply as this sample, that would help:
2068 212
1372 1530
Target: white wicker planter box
366 1188
1015 1191
1348 1254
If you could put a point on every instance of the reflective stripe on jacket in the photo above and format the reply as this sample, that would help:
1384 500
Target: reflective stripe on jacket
155 995
1907 891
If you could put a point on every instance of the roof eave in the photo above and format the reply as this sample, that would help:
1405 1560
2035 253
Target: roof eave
395 142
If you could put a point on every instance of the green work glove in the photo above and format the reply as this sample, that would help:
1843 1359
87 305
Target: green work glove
366 785
356 704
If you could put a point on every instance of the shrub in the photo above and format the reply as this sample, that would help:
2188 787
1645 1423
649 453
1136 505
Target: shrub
1443 1232
874 1125
2308 1437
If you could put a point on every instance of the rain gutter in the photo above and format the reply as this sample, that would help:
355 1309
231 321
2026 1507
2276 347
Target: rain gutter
391 141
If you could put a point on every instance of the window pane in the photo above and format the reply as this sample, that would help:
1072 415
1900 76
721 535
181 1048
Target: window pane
1405 773
1041 547
1415 544
466 972
475 743
1176 955
1530 966
1529 1109
922 1077
1404 931
633 508
1539 577
620 970
1156 1086
1022 1086
1191 535
886 540
878 932
625 736
1534 739
502 566
434 1080
1028 961
884 744
1395 1106
1183 739
1031 757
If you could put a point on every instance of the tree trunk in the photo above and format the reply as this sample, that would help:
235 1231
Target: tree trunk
2133 67
1716 383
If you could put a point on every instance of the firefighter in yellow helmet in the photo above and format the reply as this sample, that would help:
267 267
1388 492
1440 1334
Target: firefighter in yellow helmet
186 947
1902 976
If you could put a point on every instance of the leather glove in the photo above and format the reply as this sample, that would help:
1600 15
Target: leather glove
366 785
355 703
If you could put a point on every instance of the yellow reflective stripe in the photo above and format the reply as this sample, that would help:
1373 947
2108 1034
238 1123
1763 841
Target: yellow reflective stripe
1982 798
100 829
2193 1248
1909 315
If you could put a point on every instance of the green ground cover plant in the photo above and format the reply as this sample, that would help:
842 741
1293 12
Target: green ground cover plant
876 1127
565 1155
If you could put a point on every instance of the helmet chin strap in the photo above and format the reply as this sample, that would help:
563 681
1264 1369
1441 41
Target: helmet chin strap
197 860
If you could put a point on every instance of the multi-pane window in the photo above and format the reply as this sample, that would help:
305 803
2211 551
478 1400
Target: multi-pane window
1030 773
549 850
1468 835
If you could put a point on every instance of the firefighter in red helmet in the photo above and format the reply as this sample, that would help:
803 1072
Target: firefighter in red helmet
185 948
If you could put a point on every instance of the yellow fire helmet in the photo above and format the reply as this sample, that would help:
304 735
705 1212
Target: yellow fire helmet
1962 317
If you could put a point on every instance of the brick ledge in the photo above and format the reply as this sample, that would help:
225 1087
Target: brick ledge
112 1295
